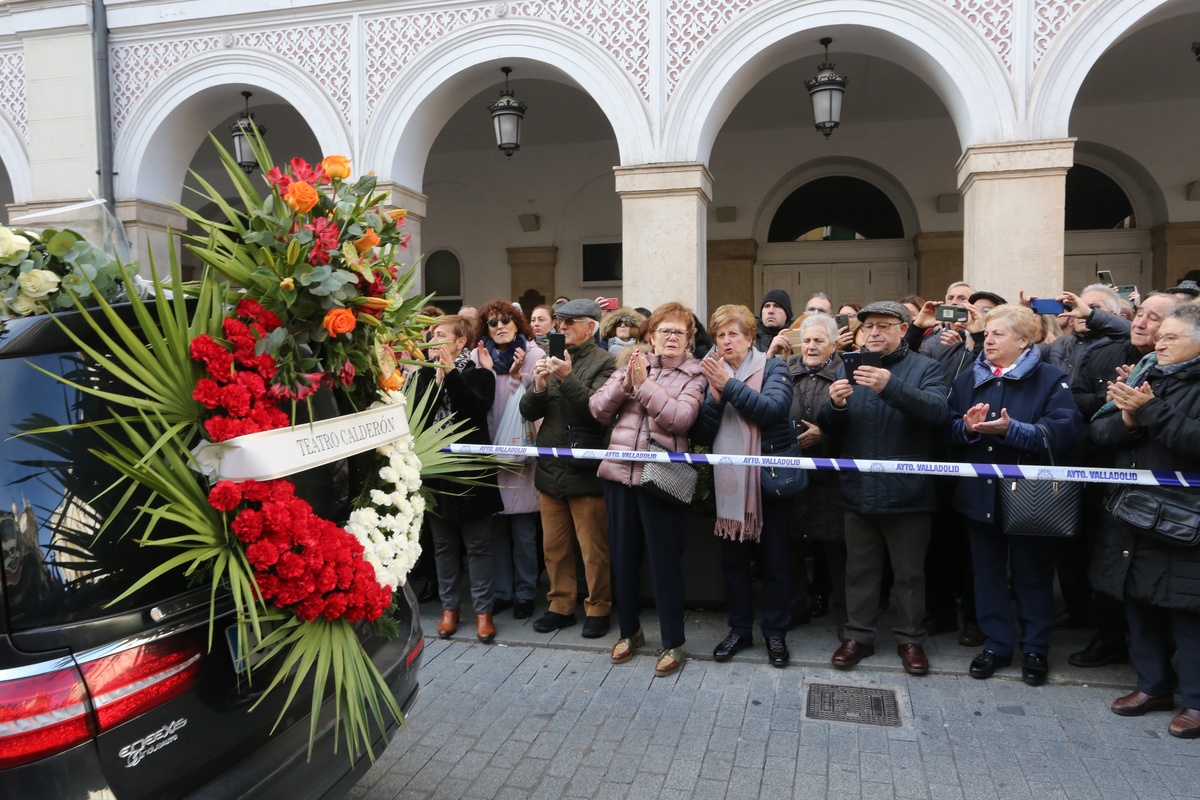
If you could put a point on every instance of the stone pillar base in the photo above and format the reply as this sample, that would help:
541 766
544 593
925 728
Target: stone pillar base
1013 199
153 232
663 234
939 262
1176 247
532 271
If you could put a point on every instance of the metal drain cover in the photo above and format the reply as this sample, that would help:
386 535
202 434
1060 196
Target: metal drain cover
852 704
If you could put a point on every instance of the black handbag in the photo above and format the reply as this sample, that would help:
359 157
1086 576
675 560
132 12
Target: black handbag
1040 507
1166 514
780 482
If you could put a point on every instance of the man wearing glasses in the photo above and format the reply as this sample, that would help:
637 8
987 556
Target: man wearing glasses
570 494
891 411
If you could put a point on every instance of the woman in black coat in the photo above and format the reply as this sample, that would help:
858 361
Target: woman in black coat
1009 405
745 412
463 519
1152 420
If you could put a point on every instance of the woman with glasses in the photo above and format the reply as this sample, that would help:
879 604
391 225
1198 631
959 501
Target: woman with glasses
463 520
655 398
1010 405
507 349
1152 421
746 412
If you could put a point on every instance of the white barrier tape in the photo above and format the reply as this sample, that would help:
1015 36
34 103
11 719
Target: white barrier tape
1144 477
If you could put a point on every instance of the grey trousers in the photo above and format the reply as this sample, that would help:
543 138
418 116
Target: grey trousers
449 540
905 538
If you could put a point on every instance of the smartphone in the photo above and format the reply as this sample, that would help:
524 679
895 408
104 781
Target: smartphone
557 345
945 313
1046 305
1126 290
608 304
853 359
1104 276
842 321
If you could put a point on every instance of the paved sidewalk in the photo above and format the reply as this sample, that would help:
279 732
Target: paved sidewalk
553 718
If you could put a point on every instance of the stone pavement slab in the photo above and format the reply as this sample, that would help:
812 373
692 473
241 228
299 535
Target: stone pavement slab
556 720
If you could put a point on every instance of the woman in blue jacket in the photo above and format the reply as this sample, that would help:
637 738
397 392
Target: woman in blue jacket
746 411
1010 406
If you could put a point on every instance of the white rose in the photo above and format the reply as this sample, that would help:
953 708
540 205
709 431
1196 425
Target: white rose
38 282
11 244
22 305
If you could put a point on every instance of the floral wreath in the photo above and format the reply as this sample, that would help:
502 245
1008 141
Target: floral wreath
301 293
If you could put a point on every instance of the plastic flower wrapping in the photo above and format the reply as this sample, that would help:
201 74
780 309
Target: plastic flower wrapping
46 270
303 299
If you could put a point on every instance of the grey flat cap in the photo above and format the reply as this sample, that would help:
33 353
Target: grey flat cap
1186 287
579 308
888 308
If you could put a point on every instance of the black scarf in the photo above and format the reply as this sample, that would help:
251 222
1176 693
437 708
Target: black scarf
502 359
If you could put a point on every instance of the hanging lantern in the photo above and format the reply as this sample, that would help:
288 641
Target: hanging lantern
243 130
507 114
826 92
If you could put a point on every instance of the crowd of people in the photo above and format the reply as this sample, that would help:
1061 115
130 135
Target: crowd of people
1102 379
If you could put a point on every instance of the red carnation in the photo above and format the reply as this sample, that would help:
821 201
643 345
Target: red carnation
225 496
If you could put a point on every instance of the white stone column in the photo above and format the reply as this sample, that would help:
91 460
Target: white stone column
663 234
1013 199
152 230
418 207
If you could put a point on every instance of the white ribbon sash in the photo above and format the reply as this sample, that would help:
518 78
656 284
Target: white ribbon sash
285 451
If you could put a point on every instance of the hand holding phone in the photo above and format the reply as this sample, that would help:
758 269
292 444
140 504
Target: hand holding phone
1104 276
1046 305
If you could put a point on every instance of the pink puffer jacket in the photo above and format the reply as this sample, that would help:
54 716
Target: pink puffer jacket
670 396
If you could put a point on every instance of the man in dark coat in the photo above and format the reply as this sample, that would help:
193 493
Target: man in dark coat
891 412
569 492
774 315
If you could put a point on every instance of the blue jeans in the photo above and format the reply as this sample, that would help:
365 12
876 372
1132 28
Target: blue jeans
514 556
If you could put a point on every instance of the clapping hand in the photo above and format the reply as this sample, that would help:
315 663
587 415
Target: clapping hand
810 436
976 420
715 373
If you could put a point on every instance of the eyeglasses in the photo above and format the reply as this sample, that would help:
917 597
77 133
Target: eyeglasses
1170 338
882 327
671 333
494 321
565 322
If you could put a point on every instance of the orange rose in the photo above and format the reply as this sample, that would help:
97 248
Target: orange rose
301 197
365 242
393 382
337 167
339 320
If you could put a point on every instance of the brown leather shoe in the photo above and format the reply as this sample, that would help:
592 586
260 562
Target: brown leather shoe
1186 724
484 628
852 652
913 657
669 661
448 624
1136 703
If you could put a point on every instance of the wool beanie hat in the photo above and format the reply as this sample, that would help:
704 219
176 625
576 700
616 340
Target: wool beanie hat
778 297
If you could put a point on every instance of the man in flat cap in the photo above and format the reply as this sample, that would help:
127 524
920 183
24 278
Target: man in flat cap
893 411
569 492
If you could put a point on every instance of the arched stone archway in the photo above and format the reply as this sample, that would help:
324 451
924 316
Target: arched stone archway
1075 52
446 75
192 98
15 155
936 45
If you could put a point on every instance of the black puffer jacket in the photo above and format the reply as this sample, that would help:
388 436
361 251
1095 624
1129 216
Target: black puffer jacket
1124 564
822 517
469 394
901 422
767 409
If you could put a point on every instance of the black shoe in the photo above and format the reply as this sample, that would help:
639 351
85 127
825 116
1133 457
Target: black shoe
730 645
499 605
523 609
936 625
986 663
819 606
552 622
1035 668
1099 653
594 627
428 592
777 652
1068 621
971 636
